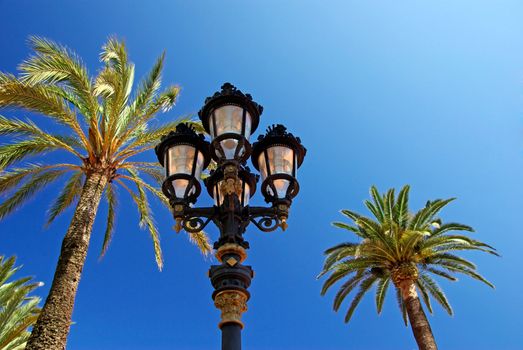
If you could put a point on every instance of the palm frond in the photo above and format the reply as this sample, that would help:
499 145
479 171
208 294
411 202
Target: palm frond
350 228
69 95
401 208
434 289
29 189
154 170
347 287
451 226
389 201
9 179
112 203
350 214
53 64
365 285
148 88
401 305
18 310
120 74
441 273
154 134
38 99
447 259
16 127
114 54
424 295
374 210
381 292
338 253
146 219
426 215
164 102
339 247
466 271
67 197
345 268
7 269
202 241
378 201
375 231
14 152
139 182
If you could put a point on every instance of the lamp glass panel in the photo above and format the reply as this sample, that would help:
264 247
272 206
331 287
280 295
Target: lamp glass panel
229 119
180 161
246 194
281 161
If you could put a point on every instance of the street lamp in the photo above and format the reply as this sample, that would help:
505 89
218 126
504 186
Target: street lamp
230 117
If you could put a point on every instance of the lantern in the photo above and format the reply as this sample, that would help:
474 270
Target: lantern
278 155
184 154
230 117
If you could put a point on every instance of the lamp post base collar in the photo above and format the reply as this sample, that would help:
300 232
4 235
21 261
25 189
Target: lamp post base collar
232 304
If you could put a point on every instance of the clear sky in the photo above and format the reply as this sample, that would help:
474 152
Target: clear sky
426 93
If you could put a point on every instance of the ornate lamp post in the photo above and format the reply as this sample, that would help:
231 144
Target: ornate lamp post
230 117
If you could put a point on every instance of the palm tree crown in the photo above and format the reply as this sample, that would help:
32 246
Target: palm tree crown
18 311
105 126
399 247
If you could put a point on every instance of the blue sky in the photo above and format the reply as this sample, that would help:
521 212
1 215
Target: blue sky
426 93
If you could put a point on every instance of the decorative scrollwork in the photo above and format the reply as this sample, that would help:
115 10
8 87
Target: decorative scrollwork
194 224
266 223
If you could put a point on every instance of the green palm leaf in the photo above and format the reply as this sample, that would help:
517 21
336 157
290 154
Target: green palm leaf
365 285
401 209
381 292
346 288
434 289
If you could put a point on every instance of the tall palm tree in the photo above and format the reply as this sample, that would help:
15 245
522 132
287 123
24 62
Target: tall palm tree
18 311
103 127
405 249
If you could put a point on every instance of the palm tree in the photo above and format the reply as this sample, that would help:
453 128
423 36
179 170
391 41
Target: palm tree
18 311
103 127
405 249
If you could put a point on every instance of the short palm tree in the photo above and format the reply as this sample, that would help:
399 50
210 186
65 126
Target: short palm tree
405 249
103 126
18 310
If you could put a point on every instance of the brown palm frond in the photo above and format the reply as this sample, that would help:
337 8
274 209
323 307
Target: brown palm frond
202 241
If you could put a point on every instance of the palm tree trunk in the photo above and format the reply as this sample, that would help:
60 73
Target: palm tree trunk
418 320
51 330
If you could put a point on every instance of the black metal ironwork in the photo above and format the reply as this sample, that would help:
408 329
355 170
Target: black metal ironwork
232 184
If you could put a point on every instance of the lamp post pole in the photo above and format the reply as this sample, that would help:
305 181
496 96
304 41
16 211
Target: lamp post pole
230 117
